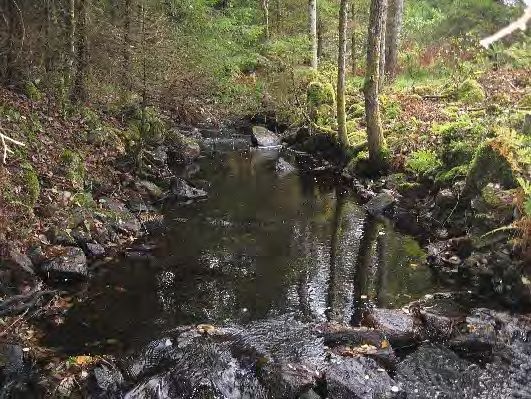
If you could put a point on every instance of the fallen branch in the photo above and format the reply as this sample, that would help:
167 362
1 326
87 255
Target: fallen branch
520 23
5 139
20 303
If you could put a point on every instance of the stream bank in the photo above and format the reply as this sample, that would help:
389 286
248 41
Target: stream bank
215 314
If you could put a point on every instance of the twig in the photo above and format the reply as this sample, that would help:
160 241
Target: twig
7 150
6 330
520 23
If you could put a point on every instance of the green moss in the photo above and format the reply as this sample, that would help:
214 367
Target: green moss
390 107
148 126
32 92
359 165
448 177
525 102
318 94
471 92
84 200
74 168
423 163
31 187
488 166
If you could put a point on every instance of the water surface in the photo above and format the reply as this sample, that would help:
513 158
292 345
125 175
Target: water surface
266 243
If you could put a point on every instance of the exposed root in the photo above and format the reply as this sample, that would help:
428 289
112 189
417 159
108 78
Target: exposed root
20 303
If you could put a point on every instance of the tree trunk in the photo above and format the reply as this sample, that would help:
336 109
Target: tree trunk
79 92
371 86
320 38
353 39
382 49
341 74
265 7
394 27
312 5
279 17
12 21
71 42
127 81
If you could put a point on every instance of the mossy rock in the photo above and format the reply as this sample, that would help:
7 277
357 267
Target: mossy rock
471 92
489 166
318 94
457 153
84 200
359 165
74 168
449 177
32 92
31 188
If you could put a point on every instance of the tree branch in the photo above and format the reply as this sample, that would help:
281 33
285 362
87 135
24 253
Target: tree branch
5 139
520 23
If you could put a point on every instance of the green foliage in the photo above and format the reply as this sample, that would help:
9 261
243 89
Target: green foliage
471 92
32 92
423 163
489 166
31 188
84 200
449 177
320 94
74 168
526 187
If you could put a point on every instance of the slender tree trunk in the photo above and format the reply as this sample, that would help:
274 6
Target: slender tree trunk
127 81
79 92
341 74
312 9
353 56
381 75
320 38
71 41
371 87
279 17
13 20
393 30
265 7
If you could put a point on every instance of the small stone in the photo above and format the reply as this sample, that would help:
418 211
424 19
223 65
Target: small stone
95 250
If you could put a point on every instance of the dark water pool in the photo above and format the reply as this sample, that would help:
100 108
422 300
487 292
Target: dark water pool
267 242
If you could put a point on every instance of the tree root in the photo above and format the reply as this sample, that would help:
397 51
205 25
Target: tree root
19 303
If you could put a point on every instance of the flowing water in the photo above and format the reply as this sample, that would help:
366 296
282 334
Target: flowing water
269 241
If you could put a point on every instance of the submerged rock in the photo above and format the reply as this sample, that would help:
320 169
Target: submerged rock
284 168
70 265
262 137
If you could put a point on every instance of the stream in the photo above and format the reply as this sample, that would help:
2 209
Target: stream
226 303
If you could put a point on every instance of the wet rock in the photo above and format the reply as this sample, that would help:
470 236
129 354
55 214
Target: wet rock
310 394
359 378
182 191
107 382
36 254
397 326
284 168
70 265
288 380
262 137
82 237
185 152
445 198
15 378
380 204
19 262
434 371
138 206
226 144
158 156
95 250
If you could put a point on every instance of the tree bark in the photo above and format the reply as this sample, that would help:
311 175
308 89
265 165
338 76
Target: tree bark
341 74
71 41
279 17
265 7
353 39
394 27
127 81
79 92
383 47
320 38
371 87
312 9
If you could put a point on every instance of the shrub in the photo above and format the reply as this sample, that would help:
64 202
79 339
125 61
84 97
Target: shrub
423 163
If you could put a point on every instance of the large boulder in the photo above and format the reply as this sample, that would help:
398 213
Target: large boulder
263 137
359 378
397 325
70 264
